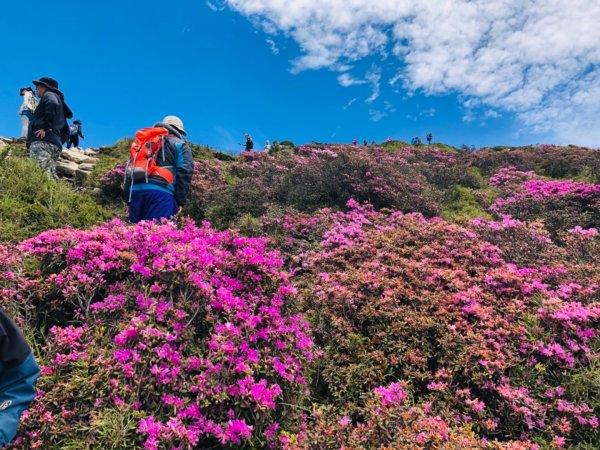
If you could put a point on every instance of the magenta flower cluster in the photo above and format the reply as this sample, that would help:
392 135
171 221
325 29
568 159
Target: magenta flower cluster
561 205
198 341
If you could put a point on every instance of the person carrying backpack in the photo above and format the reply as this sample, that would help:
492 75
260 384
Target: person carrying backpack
429 137
159 171
75 132
18 374
27 108
48 128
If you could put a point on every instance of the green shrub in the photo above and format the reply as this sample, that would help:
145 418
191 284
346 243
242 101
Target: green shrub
203 152
31 203
461 203
109 158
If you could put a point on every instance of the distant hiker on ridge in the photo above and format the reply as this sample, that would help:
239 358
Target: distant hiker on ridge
159 172
267 147
249 143
429 137
74 132
48 128
27 108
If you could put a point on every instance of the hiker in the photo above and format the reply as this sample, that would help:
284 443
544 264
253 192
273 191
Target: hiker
18 373
74 132
354 141
267 147
249 143
48 128
27 108
158 186
429 137
365 142
418 141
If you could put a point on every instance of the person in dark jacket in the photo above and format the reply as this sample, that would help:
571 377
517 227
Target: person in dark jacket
18 373
48 127
249 143
75 132
156 198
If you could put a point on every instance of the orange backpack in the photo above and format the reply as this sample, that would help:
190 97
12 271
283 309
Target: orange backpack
142 156
143 153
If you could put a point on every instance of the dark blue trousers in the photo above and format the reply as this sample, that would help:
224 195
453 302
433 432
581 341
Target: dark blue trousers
150 205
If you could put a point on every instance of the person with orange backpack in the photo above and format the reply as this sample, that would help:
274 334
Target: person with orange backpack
159 172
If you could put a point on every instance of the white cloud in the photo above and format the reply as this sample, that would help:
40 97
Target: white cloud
349 104
429 112
376 115
274 48
346 80
490 113
538 59
374 77
469 117
213 7
395 78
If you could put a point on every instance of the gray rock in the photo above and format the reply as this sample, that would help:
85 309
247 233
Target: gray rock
86 166
66 168
81 176
77 156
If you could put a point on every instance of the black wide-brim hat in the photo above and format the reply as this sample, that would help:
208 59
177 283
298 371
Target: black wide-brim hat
50 83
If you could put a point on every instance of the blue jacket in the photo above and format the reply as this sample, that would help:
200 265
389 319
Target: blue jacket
178 159
18 373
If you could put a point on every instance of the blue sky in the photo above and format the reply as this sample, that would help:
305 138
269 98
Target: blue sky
479 72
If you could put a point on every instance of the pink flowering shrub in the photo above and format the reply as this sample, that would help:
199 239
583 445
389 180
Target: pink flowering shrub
508 180
522 243
158 337
561 205
111 182
389 421
401 297
208 179
583 245
548 160
423 333
316 177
